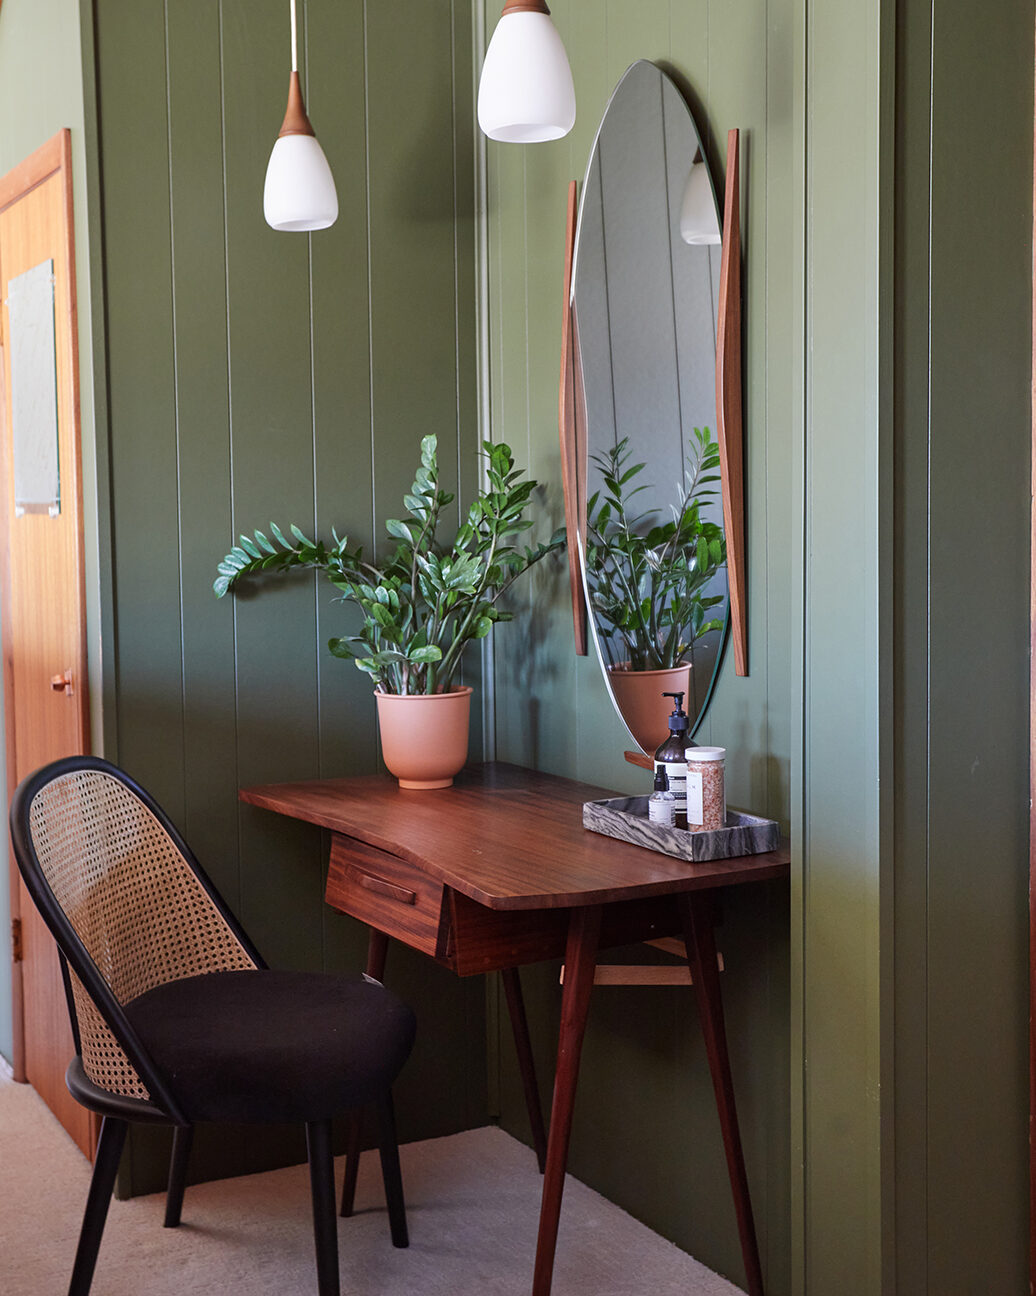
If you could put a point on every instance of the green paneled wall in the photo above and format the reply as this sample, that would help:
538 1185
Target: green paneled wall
963 330
646 1133
256 375
842 802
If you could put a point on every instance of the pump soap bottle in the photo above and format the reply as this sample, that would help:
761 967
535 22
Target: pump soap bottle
672 758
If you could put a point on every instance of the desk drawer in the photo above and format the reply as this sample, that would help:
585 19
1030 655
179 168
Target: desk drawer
386 892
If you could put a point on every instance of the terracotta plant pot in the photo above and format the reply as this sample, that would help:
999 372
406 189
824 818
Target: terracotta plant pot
638 695
424 736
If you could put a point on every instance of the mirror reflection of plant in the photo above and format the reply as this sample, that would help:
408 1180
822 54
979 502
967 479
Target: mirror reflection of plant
428 600
648 582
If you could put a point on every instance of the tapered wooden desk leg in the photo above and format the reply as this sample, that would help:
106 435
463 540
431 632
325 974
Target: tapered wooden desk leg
526 1064
584 929
696 914
377 952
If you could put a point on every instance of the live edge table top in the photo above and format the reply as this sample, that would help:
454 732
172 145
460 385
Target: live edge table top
507 837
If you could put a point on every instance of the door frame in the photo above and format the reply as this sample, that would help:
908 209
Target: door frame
53 157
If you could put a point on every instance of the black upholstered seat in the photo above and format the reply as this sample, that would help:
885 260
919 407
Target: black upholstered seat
273 1046
175 1016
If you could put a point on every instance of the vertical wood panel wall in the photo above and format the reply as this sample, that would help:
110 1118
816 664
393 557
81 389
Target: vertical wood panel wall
256 375
963 358
646 1132
842 896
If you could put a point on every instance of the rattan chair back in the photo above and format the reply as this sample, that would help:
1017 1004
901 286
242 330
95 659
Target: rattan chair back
126 901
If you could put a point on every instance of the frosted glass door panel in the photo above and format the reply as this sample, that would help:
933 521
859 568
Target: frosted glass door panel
34 395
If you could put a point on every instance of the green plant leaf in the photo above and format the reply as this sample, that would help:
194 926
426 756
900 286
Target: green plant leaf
482 627
401 530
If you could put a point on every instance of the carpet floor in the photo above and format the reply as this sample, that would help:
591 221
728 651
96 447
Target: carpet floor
472 1199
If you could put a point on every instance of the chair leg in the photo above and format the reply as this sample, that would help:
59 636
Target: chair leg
325 1225
377 953
183 1136
388 1146
354 1138
106 1166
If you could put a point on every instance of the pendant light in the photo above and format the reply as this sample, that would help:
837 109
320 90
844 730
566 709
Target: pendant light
699 222
526 93
300 190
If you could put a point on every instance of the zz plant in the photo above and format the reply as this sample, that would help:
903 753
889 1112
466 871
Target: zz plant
649 581
427 600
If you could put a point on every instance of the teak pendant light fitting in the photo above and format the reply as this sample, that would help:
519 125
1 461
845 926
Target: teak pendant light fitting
299 193
526 94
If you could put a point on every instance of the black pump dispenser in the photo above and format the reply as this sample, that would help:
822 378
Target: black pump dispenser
678 721
671 756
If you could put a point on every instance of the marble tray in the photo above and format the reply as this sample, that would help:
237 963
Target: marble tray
627 819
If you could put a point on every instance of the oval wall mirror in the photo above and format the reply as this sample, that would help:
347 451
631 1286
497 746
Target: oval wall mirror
645 299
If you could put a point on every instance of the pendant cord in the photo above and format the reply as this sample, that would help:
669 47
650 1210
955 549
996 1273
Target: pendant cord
294 41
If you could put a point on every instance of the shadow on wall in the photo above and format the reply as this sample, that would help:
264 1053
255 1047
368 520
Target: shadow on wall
539 608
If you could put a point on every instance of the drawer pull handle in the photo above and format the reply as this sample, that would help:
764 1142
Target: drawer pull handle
381 887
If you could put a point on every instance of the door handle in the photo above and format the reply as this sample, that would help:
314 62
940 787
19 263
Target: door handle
63 683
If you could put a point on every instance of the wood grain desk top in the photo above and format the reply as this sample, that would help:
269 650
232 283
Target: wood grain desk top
507 837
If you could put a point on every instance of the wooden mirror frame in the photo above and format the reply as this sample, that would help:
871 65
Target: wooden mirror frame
572 415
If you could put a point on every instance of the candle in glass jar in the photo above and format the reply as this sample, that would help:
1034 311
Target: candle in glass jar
706 793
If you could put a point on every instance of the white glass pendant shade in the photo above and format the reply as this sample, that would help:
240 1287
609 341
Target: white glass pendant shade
698 220
526 93
299 193
300 190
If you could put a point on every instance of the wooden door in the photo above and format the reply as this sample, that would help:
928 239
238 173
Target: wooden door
43 610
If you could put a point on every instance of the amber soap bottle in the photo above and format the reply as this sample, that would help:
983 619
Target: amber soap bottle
671 757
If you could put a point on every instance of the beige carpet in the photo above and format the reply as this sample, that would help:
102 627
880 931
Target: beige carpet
473 1202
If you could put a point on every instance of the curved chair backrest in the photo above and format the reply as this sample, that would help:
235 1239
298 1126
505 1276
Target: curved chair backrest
127 903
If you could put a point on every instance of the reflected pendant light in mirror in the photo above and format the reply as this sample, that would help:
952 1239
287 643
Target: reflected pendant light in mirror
526 93
300 190
699 220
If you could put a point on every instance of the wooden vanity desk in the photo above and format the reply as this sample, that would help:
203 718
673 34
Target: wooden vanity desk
498 871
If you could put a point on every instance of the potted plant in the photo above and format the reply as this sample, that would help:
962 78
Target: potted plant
649 582
421 607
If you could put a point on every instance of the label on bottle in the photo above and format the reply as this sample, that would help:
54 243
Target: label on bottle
677 772
660 811
695 798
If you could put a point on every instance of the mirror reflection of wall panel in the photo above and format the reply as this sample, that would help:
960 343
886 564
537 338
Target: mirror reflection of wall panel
631 162
34 395
645 303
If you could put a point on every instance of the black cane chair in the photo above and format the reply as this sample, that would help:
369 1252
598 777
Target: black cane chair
175 1016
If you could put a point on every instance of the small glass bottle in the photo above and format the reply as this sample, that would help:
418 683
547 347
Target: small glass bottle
706 792
661 802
